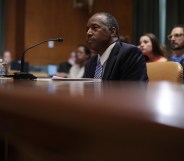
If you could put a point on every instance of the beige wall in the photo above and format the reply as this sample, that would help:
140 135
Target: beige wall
37 20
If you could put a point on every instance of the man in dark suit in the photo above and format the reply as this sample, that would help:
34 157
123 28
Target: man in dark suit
115 60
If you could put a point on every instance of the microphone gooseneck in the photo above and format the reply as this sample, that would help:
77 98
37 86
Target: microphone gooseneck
22 74
22 57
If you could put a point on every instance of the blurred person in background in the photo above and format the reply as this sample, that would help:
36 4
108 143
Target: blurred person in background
177 44
150 47
65 67
7 60
77 70
7 57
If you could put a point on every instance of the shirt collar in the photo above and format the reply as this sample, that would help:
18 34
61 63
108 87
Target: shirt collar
177 58
103 58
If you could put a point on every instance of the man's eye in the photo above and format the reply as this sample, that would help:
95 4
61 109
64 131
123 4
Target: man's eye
95 27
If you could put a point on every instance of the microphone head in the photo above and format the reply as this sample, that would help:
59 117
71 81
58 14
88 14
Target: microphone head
60 39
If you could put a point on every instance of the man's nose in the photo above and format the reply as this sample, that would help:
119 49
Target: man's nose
89 32
172 38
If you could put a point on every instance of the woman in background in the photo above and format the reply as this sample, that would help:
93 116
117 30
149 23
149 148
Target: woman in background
151 49
77 70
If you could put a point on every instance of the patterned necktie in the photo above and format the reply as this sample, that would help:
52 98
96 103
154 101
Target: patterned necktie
98 71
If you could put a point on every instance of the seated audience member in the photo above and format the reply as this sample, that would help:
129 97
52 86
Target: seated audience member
151 49
77 70
65 67
7 59
177 44
16 65
13 64
115 60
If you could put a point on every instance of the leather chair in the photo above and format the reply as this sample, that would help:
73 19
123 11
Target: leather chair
165 71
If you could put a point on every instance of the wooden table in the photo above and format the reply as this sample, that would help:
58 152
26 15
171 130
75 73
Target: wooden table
92 121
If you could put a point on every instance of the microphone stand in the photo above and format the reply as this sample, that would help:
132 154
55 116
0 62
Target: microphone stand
25 75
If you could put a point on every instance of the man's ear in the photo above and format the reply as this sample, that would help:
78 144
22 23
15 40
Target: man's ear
113 32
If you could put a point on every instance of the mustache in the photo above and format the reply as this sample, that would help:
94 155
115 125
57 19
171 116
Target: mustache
174 43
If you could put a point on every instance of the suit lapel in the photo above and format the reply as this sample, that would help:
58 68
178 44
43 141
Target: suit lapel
92 66
111 61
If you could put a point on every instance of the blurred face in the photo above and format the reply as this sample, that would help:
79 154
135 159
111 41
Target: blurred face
177 38
81 57
7 57
145 45
98 34
72 58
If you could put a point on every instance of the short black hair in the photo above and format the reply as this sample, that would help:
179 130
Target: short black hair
111 21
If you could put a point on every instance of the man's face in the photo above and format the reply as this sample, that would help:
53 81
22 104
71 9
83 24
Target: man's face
98 34
177 38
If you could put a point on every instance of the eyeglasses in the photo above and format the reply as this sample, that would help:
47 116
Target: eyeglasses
175 35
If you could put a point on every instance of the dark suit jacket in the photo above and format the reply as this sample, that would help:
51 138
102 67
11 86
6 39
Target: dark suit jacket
126 62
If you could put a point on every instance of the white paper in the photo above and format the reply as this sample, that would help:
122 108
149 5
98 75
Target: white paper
76 79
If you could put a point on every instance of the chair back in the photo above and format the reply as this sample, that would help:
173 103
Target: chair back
169 71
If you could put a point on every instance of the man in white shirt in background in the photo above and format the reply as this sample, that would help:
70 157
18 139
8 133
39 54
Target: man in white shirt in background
177 43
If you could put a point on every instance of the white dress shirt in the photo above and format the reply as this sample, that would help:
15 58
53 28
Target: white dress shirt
76 71
103 58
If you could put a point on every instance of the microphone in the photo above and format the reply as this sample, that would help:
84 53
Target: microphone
24 75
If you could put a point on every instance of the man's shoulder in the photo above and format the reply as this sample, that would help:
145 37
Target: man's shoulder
126 46
127 49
